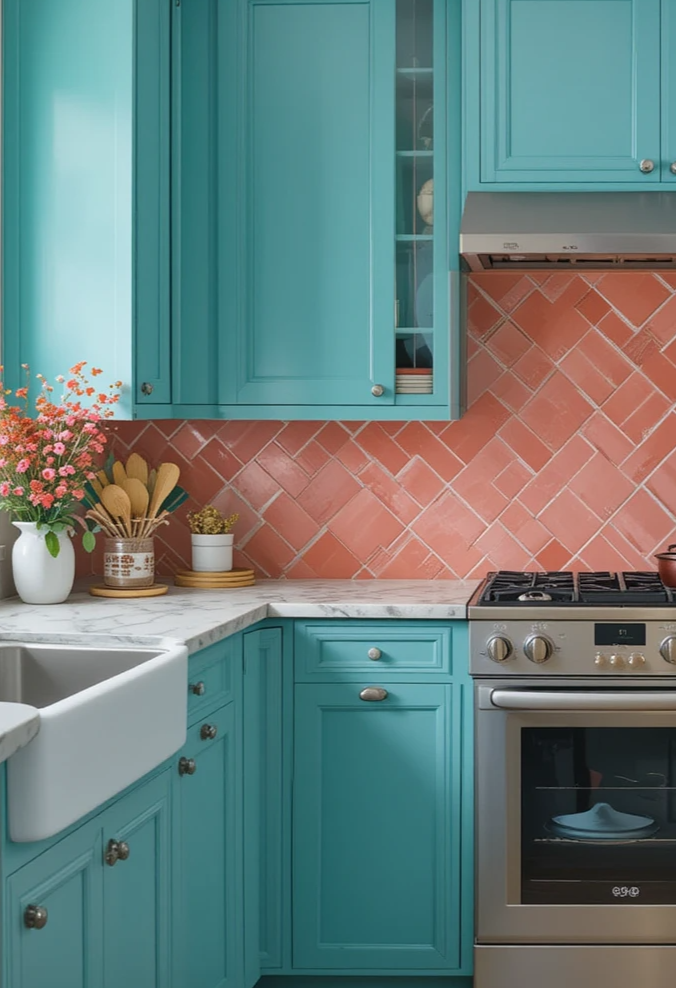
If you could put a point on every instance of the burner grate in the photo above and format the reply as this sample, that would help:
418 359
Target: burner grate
565 587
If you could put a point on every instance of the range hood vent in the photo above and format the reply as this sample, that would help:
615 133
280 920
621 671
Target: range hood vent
569 231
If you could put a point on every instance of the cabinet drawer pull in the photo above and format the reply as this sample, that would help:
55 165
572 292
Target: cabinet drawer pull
374 654
116 850
377 390
373 693
647 165
35 917
187 766
208 732
199 689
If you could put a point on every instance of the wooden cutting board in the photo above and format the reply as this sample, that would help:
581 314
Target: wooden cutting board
101 590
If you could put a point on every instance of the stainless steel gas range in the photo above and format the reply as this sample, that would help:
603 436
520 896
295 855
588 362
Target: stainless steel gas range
575 699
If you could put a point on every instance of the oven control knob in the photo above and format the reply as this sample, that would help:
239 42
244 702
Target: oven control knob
668 649
616 661
636 660
600 661
499 649
538 648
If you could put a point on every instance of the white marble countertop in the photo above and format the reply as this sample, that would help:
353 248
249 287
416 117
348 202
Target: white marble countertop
201 617
19 724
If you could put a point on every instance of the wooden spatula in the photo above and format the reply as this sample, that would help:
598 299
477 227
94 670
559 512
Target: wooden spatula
119 473
116 502
167 478
137 468
137 493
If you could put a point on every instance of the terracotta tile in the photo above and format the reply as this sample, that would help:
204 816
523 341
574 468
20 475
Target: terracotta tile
418 480
377 444
191 437
600 555
640 424
352 457
534 367
300 571
286 516
527 530
616 329
364 523
329 559
332 437
569 520
312 457
652 450
640 347
482 316
448 526
607 438
556 475
247 439
644 523
220 459
555 286
295 435
627 398
229 502
268 552
635 559
508 343
553 557
482 371
593 307
509 390
610 362
662 483
168 426
601 486
502 550
328 492
669 277
282 468
661 371
585 375
513 478
636 294
394 494
413 561
416 440
555 326
503 287
477 427
201 482
474 484
662 324
557 411
255 485
525 443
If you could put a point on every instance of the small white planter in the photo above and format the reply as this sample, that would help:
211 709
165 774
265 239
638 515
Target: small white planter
212 553
39 577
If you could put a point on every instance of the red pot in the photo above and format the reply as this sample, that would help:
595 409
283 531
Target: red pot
666 566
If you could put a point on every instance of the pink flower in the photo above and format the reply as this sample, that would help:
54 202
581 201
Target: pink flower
59 449
65 435
78 494
23 465
46 500
50 460
3 463
48 473
18 491
3 440
89 427
70 420
61 490
66 470
4 488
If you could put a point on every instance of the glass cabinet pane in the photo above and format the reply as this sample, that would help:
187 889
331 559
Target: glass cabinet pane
414 228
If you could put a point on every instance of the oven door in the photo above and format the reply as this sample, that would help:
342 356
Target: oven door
576 812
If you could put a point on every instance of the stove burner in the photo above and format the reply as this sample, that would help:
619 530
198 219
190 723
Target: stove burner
568 588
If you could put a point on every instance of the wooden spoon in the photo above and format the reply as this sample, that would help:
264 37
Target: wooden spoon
116 502
137 468
103 478
119 473
152 478
167 478
138 496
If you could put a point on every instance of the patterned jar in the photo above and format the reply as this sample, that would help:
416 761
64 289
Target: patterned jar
129 563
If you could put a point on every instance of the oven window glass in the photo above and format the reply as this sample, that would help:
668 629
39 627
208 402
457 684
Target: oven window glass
598 815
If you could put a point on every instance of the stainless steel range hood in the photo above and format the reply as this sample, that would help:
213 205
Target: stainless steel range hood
568 230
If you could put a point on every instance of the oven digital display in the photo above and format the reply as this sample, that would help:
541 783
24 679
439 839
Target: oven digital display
619 634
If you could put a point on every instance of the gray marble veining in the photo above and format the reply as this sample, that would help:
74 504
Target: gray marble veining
19 724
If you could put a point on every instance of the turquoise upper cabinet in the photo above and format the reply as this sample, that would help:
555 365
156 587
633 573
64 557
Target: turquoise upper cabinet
668 91
564 92
85 180
377 828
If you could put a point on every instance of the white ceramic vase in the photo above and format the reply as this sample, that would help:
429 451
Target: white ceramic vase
39 578
212 553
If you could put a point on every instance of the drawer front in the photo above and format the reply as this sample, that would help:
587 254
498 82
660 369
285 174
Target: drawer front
211 679
329 651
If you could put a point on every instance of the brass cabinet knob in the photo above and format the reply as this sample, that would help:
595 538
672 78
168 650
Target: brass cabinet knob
373 693
146 388
377 390
199 689
116 850
208 732
374 654
35 917
187 766
647 165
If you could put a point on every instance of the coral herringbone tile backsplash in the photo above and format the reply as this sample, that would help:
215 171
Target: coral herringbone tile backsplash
566 456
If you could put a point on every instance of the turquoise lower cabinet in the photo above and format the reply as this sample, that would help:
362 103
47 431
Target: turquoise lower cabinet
93 910
563 91
377 827
207 891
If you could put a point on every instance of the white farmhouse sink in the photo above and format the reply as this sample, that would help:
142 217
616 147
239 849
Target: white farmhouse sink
107 716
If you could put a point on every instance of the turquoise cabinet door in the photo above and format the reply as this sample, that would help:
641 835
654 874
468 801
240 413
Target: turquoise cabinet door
66 881
307 278
207 913
263 800
570 91
377 828
668 90
136 890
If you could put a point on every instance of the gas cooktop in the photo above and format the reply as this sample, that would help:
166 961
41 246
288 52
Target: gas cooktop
565 589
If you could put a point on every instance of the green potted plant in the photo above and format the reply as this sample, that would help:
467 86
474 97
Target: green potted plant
211 540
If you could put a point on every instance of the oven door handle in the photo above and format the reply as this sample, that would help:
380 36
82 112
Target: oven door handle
536 700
